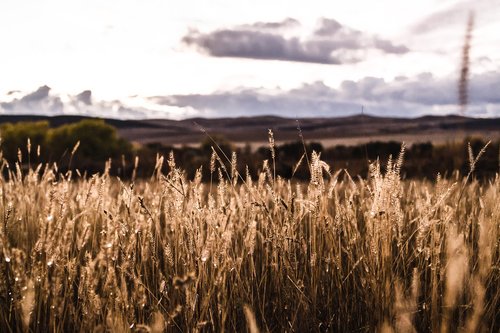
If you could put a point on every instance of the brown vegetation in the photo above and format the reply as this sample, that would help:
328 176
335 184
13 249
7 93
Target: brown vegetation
176 254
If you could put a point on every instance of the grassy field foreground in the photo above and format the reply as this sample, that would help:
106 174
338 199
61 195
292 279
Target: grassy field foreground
268 254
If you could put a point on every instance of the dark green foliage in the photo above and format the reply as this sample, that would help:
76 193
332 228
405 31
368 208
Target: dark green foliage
98 141
15 136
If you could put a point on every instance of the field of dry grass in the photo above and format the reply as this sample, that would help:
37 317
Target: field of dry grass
269 254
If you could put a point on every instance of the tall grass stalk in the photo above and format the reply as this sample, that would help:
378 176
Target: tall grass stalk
168 254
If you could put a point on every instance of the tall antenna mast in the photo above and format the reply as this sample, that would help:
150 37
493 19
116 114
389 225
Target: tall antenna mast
463 83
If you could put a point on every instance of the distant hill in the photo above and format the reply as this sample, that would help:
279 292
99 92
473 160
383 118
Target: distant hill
330 131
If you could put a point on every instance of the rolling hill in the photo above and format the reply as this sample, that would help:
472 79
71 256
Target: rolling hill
330 131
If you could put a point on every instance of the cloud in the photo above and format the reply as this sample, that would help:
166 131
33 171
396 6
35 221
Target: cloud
330 43
285 24
38 99
401 97
388 47
260 45
43 102
85 97
328 27
38 95
423 94
455 15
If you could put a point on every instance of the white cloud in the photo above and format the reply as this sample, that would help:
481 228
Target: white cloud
43 102
402 97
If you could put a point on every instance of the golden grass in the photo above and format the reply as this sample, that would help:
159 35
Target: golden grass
167 254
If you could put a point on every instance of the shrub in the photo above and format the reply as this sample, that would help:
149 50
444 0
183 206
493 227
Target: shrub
98 141
15 136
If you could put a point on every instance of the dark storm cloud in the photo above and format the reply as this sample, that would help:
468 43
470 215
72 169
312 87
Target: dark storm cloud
330 43
407 97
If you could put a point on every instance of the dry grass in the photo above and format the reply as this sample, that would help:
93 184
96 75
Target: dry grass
334 254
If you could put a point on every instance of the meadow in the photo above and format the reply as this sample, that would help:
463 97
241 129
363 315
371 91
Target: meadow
338 253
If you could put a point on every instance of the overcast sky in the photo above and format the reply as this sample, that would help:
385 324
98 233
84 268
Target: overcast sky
218 58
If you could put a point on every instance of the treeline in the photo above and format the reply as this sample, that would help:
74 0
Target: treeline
422 160
88 144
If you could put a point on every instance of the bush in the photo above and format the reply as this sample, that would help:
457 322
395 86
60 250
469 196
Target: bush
98 141
15 136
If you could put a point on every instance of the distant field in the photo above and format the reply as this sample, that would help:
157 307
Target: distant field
329 131
437 138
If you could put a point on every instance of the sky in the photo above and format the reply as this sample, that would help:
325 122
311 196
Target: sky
135 59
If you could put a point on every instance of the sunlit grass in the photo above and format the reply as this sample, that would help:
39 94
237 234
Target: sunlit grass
167 254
